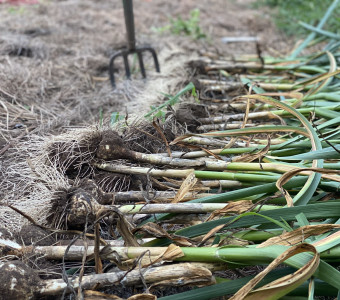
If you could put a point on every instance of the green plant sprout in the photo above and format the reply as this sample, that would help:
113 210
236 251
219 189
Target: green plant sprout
115 117
189 27
101 117
156 111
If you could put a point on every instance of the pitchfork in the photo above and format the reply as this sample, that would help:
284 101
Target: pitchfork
131 46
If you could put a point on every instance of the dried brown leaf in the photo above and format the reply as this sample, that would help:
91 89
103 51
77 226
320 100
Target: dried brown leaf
232 207
210 153
94 295
98 261
293 95
143 297
230 240
284 285
125 229
158 232
288 175
161 133
212 232
181 241
249 157
171 253
154 230
298 235
186 186
180 138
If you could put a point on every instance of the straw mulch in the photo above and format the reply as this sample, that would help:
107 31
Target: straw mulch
56 101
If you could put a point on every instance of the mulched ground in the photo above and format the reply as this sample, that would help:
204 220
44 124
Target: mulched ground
54 72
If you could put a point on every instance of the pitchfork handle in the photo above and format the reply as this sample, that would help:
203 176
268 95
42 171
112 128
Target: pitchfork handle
129 24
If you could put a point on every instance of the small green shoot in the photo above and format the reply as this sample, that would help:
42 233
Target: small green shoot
157 111
17 10
115 117
189 27
194 94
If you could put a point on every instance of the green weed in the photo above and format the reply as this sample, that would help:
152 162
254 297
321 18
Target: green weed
189 27
158 112
115 117
16 10
287 14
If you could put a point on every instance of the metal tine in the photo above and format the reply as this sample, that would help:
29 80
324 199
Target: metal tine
125 54
131 47
126 64
111 67
141 63
155 59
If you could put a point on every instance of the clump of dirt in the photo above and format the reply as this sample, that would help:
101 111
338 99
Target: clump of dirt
78 210
62 214
92 187
74 207
5 234
188 114
18 281
6 237
144 136
34 235
111 146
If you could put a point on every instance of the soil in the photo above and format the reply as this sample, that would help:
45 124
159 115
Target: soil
54 59
18 280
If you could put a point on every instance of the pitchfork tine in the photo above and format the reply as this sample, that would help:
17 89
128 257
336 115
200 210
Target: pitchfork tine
141 63
131 47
